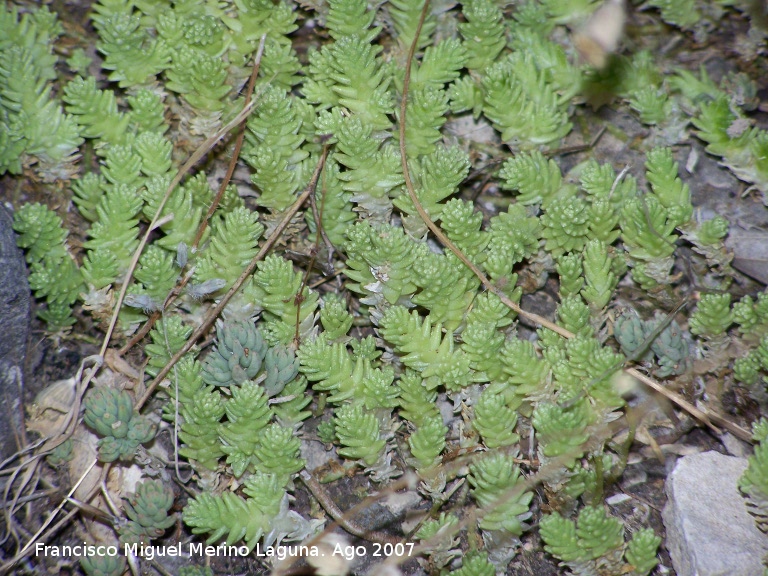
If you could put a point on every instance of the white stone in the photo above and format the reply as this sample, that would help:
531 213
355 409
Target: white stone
735 446
709 531
400 502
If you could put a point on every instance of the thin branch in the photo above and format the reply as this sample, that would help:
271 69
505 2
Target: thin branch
319 233
58 508
344 519
430 223
238 147
211 209
214 312
318 217
204 148
676 398
6 568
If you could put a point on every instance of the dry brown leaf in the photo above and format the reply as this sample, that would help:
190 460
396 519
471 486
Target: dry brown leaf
48 414
84 452
120 365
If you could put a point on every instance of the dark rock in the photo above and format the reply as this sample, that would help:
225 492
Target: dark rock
14 329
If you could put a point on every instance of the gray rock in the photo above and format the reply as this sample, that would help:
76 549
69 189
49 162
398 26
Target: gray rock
709 531
14 328
750 252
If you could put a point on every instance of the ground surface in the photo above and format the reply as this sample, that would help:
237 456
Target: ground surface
714 189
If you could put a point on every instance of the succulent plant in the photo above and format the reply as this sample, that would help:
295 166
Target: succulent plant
754 482
358 432
281 366
104 565
413 329
595 542
498 487
238 355
110 413
149 505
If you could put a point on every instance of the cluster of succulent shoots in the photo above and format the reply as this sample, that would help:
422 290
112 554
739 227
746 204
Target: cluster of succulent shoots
110 414
405 356
147 511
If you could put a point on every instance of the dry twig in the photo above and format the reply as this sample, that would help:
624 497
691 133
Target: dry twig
704 416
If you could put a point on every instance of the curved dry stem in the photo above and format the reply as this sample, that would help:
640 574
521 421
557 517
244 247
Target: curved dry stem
84 377
236 151
214 312
51 516
434 228
200 153
704 416
173 294
344 519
